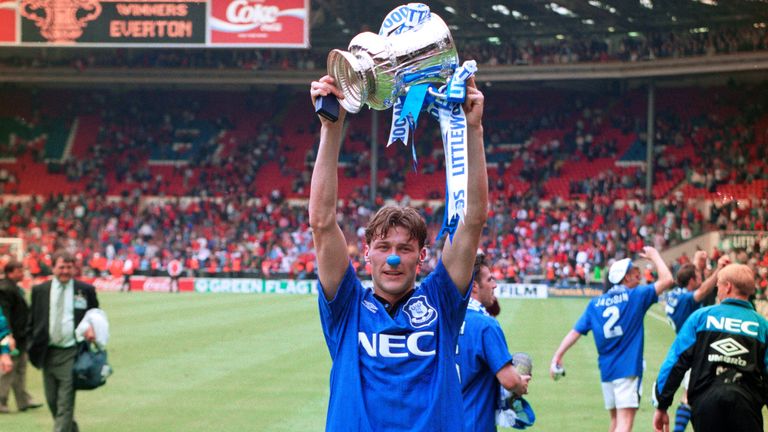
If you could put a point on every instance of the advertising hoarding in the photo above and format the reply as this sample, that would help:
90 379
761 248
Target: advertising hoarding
155 23
259 23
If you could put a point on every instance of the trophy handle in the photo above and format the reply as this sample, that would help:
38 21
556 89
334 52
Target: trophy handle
90 5
328 107
27 6
435 94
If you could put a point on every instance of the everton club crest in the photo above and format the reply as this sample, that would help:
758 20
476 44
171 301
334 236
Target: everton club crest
420 313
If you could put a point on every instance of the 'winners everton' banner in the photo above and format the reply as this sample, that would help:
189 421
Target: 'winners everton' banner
155 23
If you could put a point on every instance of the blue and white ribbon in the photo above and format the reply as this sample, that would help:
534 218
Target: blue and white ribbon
404 18
444 103
453 128
399 20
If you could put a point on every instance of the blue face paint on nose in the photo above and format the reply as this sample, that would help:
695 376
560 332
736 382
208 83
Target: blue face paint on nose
393 260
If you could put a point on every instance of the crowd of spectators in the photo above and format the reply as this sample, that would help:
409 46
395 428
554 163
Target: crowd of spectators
222 227
647 47
242 59
266 237
571 49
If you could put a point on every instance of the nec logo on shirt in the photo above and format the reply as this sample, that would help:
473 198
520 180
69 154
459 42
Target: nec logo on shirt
733 325
393 346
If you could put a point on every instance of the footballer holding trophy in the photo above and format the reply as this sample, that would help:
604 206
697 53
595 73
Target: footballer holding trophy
393 347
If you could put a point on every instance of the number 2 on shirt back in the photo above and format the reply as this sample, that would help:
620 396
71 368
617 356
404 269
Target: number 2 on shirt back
610 330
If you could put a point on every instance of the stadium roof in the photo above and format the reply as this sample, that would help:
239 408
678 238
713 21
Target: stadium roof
495 21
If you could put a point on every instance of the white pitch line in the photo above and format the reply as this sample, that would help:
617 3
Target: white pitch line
657 316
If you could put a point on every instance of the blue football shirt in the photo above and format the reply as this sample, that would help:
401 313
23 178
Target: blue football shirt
394 373
616 321
481 353
680 305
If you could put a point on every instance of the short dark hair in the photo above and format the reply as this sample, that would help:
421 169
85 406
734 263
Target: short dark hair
480 262
11 266
63 255
395 216
685 274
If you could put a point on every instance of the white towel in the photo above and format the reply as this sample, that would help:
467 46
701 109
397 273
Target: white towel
97 319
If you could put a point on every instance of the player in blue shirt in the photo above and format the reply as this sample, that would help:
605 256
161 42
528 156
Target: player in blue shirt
393 348
682 301
483 358
616 321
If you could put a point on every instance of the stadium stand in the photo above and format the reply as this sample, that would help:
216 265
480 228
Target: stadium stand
210 178
521 52
218 177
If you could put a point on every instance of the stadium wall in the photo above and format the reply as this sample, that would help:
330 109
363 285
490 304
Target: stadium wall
277 286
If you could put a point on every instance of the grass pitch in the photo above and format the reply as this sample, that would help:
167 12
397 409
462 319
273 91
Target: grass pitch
245 362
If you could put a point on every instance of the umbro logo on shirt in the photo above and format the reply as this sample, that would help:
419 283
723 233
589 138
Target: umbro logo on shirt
370 306
729 347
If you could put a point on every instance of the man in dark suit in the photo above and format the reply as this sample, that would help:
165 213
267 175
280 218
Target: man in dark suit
53 346
14 307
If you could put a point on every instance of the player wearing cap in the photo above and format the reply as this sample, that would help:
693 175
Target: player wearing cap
616 320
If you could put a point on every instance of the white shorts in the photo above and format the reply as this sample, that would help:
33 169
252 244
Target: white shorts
622 393
686 379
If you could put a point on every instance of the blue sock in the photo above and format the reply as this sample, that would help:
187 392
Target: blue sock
682 417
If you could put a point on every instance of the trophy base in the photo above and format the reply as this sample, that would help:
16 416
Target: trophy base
328 107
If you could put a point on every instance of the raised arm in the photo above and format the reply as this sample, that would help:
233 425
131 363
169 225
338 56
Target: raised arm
459 255
665 280
708 285
700 262
330 244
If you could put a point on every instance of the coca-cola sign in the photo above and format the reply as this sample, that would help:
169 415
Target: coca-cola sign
160 284
108 283
282 23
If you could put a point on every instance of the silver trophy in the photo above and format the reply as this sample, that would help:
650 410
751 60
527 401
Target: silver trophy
377 69
411 65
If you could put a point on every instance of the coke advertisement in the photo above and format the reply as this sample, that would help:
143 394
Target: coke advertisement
161 284
266 23
108 283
